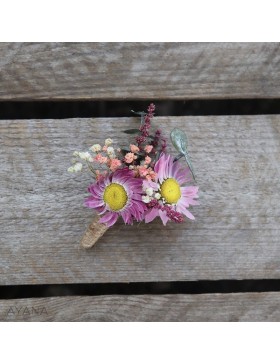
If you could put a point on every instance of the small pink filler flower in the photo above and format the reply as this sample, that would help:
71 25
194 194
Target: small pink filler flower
148 159
114 164
148 148
118 194
134 148
129 158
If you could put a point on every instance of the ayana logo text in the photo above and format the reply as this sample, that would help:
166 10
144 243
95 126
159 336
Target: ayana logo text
25 311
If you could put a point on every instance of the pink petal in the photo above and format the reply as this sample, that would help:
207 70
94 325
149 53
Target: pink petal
163 216
160 168
106 182
169 161
181 176
189 191
151 215
93 202
113 220
136 212
104 219
109 219
187 213
147 184
137 196
193 202
101 210
95 190
183 202
126 217
140 205
174 168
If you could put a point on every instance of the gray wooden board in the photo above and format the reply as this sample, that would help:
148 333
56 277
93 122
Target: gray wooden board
52 71
204 307
235 235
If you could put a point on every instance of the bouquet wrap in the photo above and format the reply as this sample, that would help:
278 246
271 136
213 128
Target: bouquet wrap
93 233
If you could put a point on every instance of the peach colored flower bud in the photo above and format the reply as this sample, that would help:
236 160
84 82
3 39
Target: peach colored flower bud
134 148
148 160
115 164
129 157
148 148
100 159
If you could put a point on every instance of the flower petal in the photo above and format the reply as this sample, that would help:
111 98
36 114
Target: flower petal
163 216
127 218
109 219
160 168
151 215
93 202
187 213
183 201
189 191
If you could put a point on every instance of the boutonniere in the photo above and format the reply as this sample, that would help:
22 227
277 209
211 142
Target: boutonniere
137 183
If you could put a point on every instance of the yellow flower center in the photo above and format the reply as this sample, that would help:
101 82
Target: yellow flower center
115 196
170 190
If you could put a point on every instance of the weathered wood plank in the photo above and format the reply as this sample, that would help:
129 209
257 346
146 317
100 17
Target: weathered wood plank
138 70
236 234
204 307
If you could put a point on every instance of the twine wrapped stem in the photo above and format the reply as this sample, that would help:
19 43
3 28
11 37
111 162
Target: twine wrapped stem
93 233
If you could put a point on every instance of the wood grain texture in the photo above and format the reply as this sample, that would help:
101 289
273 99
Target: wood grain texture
235 235
204 307
54 71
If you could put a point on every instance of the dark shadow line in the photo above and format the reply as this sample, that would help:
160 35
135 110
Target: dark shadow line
121 108
139 288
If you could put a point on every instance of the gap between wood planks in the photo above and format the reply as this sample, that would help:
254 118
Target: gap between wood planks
121 108
139 288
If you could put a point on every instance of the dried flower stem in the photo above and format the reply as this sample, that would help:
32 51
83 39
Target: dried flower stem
91 169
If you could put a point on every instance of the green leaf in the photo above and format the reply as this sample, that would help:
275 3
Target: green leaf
179 140
131 131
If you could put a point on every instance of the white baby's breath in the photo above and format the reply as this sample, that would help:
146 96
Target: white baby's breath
146 199
111 152
157 196
95 148
85 156
149 191
108 142
78 167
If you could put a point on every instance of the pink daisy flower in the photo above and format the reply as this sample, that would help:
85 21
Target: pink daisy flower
170 178
118 194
